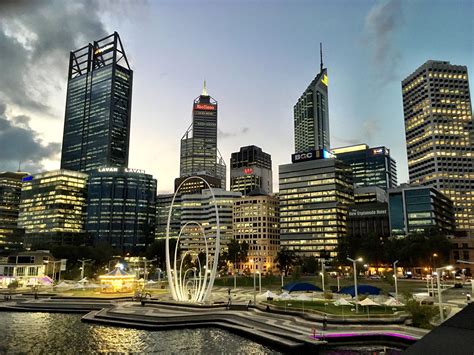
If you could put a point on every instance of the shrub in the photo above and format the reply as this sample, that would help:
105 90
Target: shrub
421 314
328 295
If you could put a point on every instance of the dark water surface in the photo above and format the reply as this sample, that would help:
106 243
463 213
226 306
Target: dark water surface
53 333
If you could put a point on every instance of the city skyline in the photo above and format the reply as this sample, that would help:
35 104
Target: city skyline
256 81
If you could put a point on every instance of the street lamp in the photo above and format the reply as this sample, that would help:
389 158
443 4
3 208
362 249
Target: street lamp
83 261
259 281
323 266
395 277
354 264
438 273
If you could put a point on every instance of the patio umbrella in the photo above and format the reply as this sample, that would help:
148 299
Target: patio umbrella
267 294
302 297
367 303
392 302
83 281
342 302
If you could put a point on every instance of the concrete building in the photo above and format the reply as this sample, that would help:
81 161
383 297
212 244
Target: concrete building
52 207
315 193
121 208
163 203
256 221
462 249
98 107
370 166
415 209
11 237
201 208
199 153
440 135
251 169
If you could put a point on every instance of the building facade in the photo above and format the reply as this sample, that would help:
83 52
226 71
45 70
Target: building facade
11 236
52 207
163 204
251 169
440 135
256 221
462 250
121 208
311 115
199 153
201 208
195 184
370 166
98 107
314 200
415 209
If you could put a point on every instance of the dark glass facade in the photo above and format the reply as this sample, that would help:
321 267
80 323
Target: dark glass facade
418 208
163 203
199 153
121 208
251 169
10 191
98 107
370 166
311 116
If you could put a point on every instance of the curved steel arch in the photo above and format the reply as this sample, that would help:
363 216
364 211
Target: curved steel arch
177 282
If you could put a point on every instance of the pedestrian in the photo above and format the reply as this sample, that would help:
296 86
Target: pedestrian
325 322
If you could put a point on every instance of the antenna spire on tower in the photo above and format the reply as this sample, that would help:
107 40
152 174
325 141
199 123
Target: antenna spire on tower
204 90
321 54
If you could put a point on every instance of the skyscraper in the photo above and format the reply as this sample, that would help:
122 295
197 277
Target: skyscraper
251 169
440 135
199 153
98 107
370 166
10 191
52 207
311 120
121 208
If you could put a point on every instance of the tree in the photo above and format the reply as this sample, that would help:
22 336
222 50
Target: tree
309 264
285 260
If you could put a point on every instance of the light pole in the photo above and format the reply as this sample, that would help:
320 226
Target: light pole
254 288
259 282
235 280
83 261
438 272
354 264
323 266
395 277
472 279
282 281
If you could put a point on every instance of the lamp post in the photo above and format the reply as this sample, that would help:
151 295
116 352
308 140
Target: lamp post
472 280
259 282
235 280
323 266
354 264
83 261
438 272
254 288
395 277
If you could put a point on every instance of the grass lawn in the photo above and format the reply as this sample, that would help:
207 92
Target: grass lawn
330 308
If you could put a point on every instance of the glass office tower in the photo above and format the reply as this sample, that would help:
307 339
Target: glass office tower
10 191
199 153
419 208
370 166
98 107
251 169
440 135
311 115
121 208
52 207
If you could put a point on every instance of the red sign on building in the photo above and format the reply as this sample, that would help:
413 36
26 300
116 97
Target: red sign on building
205 107
248 170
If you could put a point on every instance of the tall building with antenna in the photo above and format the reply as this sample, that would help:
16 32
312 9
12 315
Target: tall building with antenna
199 153
98 107
311 121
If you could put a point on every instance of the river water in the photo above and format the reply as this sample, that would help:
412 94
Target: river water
53 333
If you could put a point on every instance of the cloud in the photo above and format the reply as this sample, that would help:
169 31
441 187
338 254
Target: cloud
381 25
35 39
20 143
371 129
224 135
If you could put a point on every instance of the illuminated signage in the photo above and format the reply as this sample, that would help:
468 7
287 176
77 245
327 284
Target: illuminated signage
324 80
248 171
108 170
205 107
104 48
378 151
357 213
115 170
311 155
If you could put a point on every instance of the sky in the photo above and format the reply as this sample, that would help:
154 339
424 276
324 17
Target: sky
257 57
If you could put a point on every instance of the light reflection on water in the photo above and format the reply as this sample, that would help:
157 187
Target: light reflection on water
45 333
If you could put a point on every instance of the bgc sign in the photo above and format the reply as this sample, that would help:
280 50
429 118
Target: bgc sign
311 155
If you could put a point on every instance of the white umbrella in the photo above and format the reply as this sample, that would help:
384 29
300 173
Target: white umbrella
342 302
392 302
285 296
64 285
368 302
267 294
83 281
151 282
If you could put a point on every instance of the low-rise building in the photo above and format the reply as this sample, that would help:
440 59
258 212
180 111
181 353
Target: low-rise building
462 249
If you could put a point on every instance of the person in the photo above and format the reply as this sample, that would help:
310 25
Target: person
325 322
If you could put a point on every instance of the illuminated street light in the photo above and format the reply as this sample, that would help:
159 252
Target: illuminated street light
438 279
354 264
395 277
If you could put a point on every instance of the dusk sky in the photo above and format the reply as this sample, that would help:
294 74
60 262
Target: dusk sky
256 56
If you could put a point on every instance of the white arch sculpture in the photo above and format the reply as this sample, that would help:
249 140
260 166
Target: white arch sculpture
196 291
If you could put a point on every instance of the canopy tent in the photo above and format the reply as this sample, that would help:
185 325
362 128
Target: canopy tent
284 296
361 290
301 286
392 302
267 294
368 302
342 302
